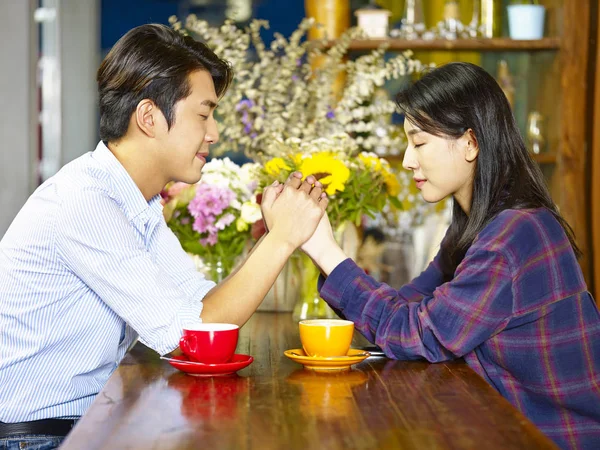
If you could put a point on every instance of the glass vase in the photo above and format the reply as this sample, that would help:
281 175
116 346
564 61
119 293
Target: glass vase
284 293
309 304
215 267
215 271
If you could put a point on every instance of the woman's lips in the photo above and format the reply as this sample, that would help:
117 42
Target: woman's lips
420 182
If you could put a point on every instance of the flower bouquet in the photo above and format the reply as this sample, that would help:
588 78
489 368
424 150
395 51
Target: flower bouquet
358 184
212 219
287 110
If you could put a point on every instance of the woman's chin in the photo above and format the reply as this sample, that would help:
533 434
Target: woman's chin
431 197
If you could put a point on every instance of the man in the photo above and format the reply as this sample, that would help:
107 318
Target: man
89 264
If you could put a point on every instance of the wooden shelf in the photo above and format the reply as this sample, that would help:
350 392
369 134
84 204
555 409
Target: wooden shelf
490 45
541 158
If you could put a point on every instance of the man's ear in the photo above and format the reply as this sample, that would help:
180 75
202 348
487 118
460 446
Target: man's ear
146 117
471 145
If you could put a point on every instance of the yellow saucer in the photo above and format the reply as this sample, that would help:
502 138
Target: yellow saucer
331 364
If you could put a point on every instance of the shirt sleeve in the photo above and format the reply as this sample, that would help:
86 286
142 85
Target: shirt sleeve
447 323
180 268
96 242
424 284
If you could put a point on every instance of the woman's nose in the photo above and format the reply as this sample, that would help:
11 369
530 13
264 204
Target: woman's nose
409 162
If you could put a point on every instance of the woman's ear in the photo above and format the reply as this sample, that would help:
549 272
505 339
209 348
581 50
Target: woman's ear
471 145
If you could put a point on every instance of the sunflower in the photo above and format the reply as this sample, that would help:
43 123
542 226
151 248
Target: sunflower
371 161
392 185
331 172
275 166
382 167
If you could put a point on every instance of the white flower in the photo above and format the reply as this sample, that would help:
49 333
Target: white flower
248 174
226 173
251 212
276 93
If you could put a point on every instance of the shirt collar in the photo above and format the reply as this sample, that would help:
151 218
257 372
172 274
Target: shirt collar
132 199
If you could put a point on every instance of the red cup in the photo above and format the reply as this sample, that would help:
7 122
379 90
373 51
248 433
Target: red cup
210 343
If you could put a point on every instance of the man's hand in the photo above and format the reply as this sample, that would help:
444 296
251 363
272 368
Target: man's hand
292 211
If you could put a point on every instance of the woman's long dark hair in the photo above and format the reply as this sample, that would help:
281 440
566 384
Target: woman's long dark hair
448 101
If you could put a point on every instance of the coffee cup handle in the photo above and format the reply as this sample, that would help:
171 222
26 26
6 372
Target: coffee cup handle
185 344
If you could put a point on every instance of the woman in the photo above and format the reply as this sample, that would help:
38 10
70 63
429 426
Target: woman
505 291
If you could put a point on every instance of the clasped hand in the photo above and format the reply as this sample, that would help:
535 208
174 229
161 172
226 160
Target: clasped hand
293 210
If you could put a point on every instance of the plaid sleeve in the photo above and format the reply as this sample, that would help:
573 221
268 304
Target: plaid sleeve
450 322
424 284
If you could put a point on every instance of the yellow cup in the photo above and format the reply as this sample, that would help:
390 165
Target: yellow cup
326 337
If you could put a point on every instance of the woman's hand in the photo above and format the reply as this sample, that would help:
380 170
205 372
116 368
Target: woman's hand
323 249
292 211
321 240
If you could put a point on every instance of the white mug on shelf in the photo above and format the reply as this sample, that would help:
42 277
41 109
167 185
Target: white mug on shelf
526 22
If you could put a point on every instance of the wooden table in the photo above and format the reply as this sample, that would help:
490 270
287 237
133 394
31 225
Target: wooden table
276 404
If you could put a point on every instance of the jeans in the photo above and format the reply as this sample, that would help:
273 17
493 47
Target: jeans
31 442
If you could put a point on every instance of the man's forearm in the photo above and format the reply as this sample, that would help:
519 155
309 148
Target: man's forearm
236 298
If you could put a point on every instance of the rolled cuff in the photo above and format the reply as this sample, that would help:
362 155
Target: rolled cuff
338 285
187 315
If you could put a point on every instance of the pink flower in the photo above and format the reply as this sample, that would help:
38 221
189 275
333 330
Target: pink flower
227 219
210 240
176 188
202 224
210 200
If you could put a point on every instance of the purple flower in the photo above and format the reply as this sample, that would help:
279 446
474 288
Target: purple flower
185 221
244 104
330 114
247 122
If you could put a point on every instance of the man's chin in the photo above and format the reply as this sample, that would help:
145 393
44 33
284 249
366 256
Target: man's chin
191 179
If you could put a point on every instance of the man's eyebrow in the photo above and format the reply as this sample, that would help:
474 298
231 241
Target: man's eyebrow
209 103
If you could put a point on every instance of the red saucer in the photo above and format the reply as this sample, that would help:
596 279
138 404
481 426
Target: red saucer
237 362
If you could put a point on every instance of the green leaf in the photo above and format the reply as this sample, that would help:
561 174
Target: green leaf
396 203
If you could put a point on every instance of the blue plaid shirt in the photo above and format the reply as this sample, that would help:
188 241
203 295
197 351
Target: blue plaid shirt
517 310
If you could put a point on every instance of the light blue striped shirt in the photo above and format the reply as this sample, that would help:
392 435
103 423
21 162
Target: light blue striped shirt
86 266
